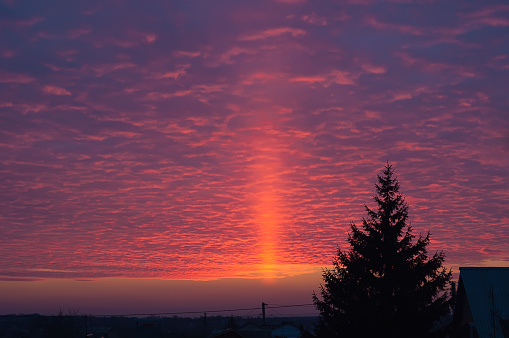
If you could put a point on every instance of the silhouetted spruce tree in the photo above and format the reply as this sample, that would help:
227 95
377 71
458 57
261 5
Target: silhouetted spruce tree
385 286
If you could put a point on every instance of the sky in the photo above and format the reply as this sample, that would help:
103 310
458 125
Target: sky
196 142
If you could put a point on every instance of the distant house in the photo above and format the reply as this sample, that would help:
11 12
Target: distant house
137 332
251 330
250 327
482 303
286 330
228 333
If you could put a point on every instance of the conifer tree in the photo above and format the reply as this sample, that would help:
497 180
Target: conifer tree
385 285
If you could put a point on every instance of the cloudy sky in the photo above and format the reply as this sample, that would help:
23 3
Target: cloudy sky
197 140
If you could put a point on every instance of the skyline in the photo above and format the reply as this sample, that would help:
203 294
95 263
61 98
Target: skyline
207 141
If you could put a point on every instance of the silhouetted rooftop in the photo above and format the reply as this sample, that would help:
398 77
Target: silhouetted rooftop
483 300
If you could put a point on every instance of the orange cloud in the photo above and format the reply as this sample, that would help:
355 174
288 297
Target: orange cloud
308 79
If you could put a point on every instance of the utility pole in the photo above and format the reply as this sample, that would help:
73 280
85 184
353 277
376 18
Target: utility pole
205 323
263 313
86 326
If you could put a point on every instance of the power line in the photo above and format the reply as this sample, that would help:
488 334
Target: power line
274 307
268 306
202 311
296 305
176 313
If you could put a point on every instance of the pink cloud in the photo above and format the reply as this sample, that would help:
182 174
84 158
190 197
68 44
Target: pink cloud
55 90
405 29
485 12
503 22
150 38
188 54
158 95
103 69
181 71
22 24
315 19
342 77
77 32
374 69
292 1
406 57
230 54
269 33
335 76
8 54
7 77
262 77
67 53
401 96
372 114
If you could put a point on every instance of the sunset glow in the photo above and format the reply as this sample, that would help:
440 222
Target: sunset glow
206 141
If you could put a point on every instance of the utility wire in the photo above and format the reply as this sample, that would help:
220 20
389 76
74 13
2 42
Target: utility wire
174 313
203 311
280 306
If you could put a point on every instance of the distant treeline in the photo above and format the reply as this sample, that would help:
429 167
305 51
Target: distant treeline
80 326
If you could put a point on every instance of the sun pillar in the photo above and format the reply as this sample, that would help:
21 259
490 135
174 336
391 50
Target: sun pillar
268 224
268 216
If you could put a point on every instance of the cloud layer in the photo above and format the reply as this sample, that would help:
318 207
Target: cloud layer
206 139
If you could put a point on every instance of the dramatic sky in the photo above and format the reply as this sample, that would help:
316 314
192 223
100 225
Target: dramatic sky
202 140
